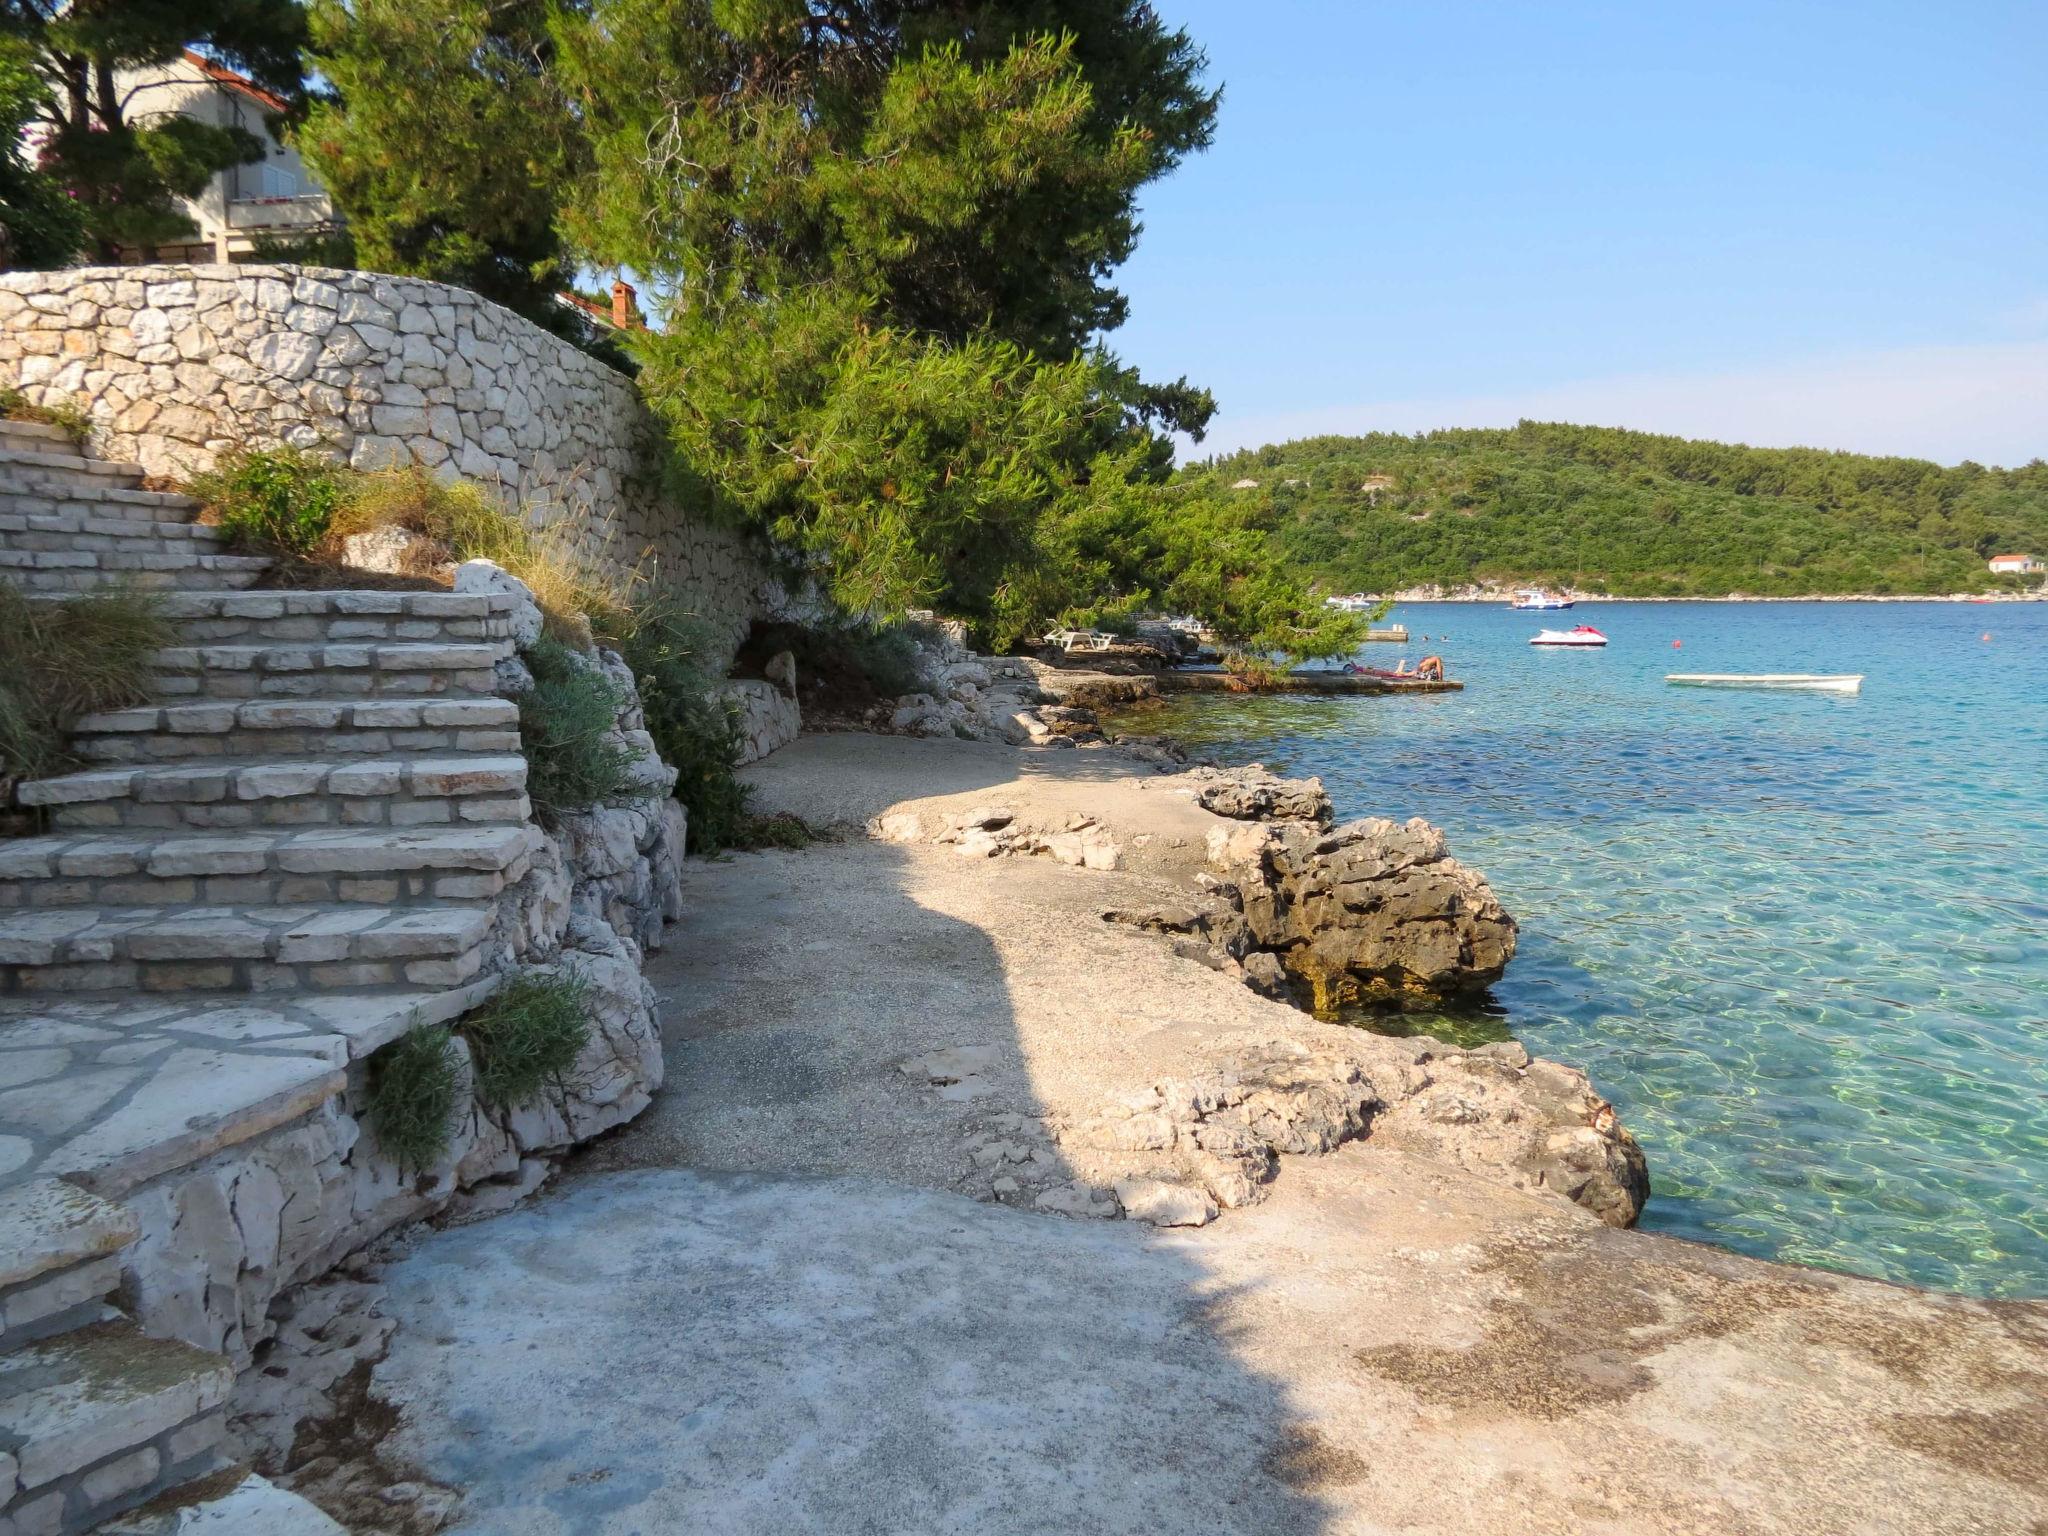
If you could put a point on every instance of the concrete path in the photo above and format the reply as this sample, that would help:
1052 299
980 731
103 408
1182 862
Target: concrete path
792 1297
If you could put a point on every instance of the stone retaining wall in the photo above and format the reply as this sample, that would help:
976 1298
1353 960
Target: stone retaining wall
175 363
769 717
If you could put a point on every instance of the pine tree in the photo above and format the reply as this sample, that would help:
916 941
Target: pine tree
445 143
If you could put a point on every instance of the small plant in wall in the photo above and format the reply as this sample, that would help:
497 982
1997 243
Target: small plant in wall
528 1036
566 723
523 1040
415 1082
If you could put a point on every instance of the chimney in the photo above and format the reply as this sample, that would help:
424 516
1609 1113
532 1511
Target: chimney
625 312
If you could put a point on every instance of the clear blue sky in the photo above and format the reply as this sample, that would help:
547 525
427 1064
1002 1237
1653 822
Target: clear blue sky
1786 222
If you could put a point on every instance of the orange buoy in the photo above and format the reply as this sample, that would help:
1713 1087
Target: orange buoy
1986 636
1678 645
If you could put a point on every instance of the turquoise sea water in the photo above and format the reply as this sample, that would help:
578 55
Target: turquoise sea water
1800 940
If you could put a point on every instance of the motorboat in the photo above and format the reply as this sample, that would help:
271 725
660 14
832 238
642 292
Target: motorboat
1356 602
1580 635
1806 682
1533 601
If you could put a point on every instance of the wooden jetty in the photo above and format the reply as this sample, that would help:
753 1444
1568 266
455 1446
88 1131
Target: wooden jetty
1396 633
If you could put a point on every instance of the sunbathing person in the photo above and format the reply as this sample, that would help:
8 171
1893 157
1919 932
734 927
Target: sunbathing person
1429 670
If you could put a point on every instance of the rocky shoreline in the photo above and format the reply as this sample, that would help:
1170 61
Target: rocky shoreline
1504 595
1010 991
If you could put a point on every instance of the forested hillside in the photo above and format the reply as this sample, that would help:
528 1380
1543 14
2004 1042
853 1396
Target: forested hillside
1634 514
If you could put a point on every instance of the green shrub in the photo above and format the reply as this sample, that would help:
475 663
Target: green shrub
414 1084
274 500
68 417
527 1036
696 732
565 720
65 659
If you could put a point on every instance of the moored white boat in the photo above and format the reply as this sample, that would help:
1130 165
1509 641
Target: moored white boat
1535 601
1809 682
1580 635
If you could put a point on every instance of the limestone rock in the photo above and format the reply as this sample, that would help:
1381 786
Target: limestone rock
1372 911
390 551
1254 794
490 578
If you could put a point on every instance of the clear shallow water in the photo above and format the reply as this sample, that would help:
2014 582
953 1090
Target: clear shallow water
1800 940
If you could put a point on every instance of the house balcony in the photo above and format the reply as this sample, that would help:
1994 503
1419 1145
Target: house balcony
280 215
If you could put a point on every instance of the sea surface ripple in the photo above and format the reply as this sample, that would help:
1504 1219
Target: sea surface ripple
1800 940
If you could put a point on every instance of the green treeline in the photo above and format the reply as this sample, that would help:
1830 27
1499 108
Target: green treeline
1632 513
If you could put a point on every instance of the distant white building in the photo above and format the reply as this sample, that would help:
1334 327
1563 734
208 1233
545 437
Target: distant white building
2016 565
275 196
1246 484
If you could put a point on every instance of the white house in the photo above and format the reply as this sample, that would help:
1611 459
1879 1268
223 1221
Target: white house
275 196
2016 565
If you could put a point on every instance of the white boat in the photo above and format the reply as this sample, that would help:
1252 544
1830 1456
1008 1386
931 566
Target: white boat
1539 602
1809 682
1582 635
1356 602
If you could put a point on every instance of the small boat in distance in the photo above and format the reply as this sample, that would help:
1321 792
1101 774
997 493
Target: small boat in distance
1809 682
1584 635
1534 601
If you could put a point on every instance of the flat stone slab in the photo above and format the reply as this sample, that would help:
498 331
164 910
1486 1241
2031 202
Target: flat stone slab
114 1091
192 1102
254 1508
69 1401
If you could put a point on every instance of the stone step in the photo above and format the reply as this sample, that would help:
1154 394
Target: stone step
36 437
218 1070
386 866
284 729
61 571
96 1421
60 1257
241 949
216 617
76 533
371 669
97 501
50 463
397 791
47 1225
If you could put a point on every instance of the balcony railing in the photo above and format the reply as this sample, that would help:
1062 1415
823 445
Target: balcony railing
259 213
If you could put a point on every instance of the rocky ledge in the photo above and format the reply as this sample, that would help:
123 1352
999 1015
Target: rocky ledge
1372 912
1369 910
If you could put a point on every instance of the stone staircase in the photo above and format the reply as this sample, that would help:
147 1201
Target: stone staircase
293 853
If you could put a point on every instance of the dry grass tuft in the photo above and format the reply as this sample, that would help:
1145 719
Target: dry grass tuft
66 658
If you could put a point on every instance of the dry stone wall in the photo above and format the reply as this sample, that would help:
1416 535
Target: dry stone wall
176 363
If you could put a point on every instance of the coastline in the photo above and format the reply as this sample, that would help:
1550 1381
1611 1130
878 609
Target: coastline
887 1051
1503 599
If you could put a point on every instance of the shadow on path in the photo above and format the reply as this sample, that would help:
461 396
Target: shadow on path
765 1307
